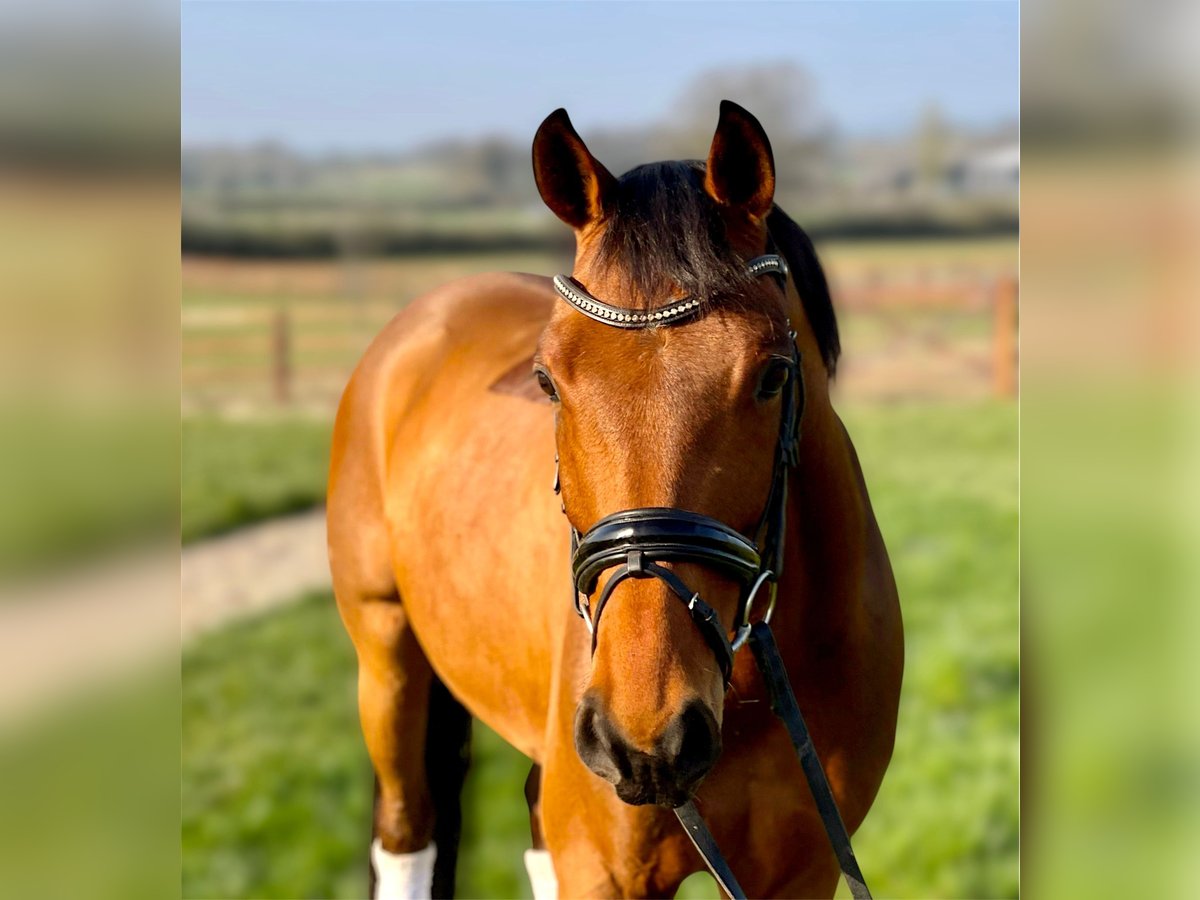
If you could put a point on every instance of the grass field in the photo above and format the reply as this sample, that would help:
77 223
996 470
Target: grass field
276 788
94 777
78 483
238 472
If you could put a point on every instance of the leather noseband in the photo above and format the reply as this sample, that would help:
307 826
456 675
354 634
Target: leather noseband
637 540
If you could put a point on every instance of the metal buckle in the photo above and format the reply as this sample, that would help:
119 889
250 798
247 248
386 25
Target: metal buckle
739 638
584 608
743 630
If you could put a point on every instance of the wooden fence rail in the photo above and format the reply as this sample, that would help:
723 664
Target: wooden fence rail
233 347
1005 365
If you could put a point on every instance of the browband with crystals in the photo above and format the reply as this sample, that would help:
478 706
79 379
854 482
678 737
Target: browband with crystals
572 291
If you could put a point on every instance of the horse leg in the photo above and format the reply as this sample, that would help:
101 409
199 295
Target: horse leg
533 790
447 758
394 692
537 860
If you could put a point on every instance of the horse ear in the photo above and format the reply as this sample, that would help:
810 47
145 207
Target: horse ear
741 169
572 182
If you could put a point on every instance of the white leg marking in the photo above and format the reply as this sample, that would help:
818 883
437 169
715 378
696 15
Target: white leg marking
541 874
403 876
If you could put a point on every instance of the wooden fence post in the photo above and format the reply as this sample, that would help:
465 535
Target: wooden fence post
1004 337
281 356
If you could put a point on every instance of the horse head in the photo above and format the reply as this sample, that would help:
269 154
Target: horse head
684 417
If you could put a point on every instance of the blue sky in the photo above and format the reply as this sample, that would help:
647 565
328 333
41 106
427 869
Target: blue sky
345 75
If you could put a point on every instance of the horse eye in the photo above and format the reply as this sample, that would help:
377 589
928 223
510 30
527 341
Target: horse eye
546 383
774 377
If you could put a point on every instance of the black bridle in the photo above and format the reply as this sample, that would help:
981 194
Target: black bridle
637 541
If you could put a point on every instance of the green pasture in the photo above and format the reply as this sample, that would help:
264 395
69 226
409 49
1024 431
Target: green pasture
238 472
77 483
78 487
276 787
93 777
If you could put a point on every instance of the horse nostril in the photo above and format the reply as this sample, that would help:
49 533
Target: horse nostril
682 754
697 742
594 743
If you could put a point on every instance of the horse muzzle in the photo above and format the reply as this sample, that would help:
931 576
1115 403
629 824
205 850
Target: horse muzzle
668 773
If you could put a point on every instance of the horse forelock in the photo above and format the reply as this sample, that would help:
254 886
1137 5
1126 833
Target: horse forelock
664 234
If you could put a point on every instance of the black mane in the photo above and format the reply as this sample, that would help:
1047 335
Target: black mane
797 248
664 230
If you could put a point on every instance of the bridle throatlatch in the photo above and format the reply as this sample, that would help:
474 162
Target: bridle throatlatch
635 543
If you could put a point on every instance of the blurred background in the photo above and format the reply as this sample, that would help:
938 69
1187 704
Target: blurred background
919 244
275 786
339 161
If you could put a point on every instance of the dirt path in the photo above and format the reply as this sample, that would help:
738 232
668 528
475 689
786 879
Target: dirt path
91 624
250 570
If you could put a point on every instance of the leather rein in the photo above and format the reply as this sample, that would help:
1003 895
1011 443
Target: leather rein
637 541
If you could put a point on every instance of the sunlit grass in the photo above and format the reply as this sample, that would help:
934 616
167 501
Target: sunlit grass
92 777
77 484
238 472
944 485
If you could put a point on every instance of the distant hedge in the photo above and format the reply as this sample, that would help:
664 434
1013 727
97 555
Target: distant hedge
320 242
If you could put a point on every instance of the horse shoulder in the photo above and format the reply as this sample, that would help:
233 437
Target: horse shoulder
400 367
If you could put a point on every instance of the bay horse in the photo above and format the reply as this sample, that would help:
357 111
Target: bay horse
452 560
